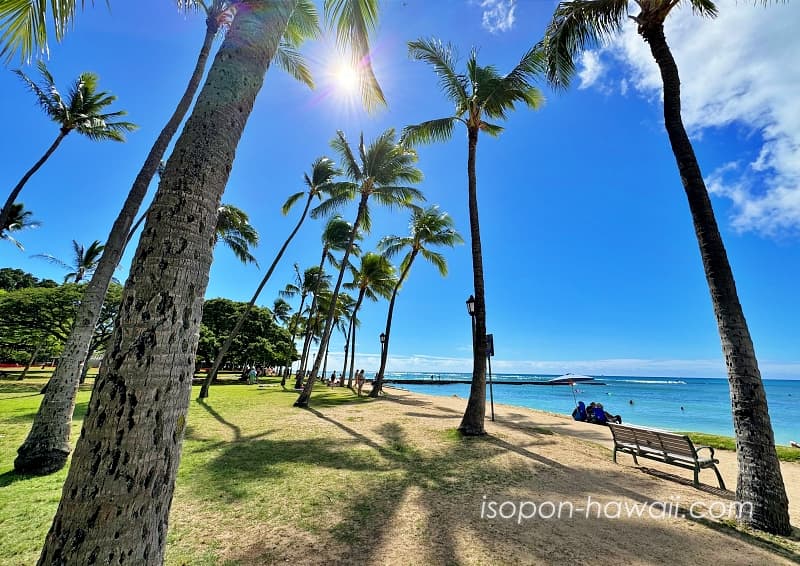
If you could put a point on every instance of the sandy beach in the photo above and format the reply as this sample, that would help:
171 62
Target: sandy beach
565 461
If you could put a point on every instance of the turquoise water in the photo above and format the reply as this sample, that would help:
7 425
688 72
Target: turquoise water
657 401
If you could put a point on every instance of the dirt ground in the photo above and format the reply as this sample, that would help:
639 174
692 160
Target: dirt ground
570 465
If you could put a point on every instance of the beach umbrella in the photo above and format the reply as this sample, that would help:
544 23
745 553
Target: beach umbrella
571 380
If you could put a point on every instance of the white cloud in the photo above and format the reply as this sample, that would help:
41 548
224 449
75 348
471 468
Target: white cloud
425 364
498 15
738 69
591 69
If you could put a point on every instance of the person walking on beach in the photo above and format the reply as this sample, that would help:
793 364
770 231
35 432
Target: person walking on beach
360 381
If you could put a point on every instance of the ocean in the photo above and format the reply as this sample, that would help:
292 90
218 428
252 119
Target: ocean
671 403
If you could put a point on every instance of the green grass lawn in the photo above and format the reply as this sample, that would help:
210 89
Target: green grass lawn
250 459
716 441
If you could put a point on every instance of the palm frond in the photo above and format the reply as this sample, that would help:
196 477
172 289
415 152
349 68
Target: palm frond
443 58
492 129
291 201
52 259
707 8
351 167
292 61
303 24
576 26
340 195
355 20
436 259
430 131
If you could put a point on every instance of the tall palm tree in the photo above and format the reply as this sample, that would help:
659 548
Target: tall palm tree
323 171
581 23
380 167
84 261
374 278
480 94
335 238
18 219
155 340
47 445
429 227
235 231
349 322
81 111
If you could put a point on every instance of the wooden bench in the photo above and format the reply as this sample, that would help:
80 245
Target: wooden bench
663 446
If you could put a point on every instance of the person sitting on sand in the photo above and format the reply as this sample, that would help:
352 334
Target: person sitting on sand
579 414
604 416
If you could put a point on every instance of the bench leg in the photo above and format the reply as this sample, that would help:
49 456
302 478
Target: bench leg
635 461
697 476
719 478
614 456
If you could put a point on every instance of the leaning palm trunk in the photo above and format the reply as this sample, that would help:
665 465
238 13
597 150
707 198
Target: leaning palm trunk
305 396
242 317
760 482
353 335
118 492
346 350
472 422
312 311
32 359
378 383
4 214
47 446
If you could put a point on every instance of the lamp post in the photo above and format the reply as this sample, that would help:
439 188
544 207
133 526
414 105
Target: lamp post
489 347
383 344
471 311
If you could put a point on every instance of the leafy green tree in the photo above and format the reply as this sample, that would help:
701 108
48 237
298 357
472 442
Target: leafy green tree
82 111
18 219
14 279
429 227
480 94
383 164
374 278
323 170
155 342
84 261
579 24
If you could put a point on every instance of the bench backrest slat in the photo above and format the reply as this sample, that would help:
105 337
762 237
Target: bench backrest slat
651 439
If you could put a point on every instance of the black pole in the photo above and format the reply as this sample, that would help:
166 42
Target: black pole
489 354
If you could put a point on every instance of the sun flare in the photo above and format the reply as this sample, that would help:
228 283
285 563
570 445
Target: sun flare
346 78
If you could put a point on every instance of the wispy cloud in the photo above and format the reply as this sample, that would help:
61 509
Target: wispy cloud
427 364
739 69
590 69
498 15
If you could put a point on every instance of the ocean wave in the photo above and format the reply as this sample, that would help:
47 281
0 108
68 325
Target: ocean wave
654 381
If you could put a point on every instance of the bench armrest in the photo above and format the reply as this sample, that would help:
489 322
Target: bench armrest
709 448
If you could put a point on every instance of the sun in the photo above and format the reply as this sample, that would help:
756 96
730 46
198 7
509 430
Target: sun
345 78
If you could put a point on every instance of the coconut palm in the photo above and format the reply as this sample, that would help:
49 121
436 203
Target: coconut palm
579 24
81 111
282 311
84 261
381 165
47 446
155 343
374 278
478 95
323 171
235 231
429 227
18 219
335 238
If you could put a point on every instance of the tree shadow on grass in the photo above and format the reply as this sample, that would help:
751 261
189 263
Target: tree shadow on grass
11 476
27 417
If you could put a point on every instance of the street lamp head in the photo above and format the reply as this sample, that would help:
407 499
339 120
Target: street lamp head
383 338
471 305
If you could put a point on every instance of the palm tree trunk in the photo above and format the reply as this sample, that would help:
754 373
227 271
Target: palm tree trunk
242 317
346 350
377 384
472 422
18 188
294 335
760 482
119 488
353 334
305 396
47 446
32 359
309 328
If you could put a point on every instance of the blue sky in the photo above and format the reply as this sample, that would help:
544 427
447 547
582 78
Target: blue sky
590 257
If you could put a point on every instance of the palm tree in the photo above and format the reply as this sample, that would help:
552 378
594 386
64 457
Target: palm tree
47 446
282 311
235 231
18 219
581 23
375 278
323 170
155 342
429 227
84 261
81 111
335 238
383 164
479 94
349 323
